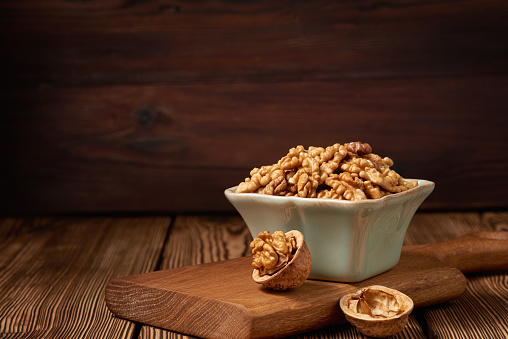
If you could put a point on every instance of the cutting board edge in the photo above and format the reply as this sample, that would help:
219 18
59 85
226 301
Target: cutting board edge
254 323
240 324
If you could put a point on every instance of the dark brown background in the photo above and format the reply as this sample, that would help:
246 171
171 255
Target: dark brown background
158 106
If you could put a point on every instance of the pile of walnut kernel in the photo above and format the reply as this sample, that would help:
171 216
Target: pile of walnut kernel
342 171
272 252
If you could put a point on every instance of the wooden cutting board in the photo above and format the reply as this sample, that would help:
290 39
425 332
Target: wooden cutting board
220 300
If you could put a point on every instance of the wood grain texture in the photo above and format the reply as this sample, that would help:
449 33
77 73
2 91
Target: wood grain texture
192 299
184 41
449 320
220 299
53 273
201 239
198 239
482 310
495 220
150 106
194 240
105 150
484 251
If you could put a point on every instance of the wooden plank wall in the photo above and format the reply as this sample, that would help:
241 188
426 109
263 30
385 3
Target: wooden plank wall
158 106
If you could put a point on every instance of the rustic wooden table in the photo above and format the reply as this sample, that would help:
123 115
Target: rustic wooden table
53 272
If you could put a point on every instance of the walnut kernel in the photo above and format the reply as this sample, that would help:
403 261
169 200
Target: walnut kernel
313 173
280 261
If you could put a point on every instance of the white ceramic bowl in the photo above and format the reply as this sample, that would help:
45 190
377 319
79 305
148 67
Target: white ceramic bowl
348 240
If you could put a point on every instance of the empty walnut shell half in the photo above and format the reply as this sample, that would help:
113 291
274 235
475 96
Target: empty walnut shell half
294 273
377 311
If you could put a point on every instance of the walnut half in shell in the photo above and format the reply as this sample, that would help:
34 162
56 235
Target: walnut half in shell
377 311
281 261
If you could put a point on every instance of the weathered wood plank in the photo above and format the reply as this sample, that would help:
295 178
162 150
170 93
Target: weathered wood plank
201 239
196 239
53 272
76 43
427 228
495 220
482 310
161 149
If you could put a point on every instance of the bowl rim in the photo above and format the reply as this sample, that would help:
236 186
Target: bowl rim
423 185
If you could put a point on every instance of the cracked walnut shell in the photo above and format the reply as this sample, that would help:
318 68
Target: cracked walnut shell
377 311
280 261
